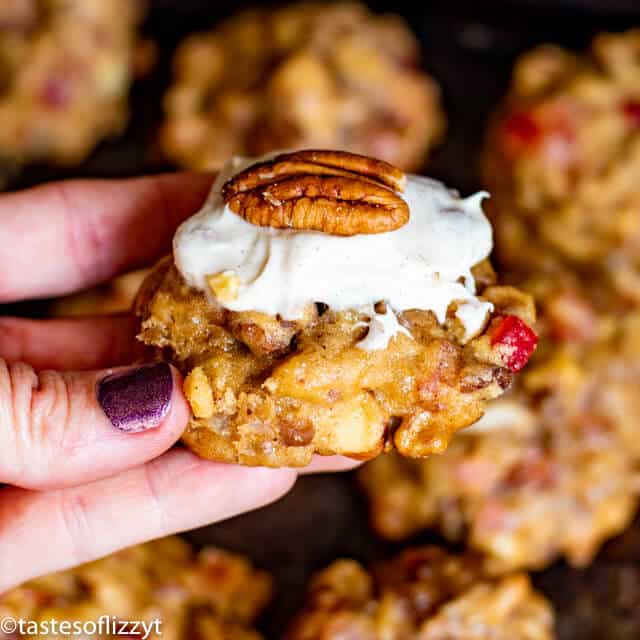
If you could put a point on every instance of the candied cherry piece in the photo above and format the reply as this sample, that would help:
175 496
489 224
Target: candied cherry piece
631 109
536 471
520 129
55 93
515 341
548 128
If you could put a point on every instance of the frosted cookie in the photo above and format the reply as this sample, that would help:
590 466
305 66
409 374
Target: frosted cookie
324 302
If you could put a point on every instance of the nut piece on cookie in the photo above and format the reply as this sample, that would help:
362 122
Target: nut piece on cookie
324 302
209 594
423 593
330 74
225 286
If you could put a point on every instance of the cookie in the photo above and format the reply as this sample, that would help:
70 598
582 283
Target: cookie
66 67
347 337
562 162
211 594
315 74
424 593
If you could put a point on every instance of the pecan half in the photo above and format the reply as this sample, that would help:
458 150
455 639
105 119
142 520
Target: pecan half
331 191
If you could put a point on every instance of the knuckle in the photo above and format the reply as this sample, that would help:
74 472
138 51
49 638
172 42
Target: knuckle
35 416
156 483
50 404
75 508
85 236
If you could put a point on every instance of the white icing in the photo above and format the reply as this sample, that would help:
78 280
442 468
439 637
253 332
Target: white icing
426 264
473 315
382 327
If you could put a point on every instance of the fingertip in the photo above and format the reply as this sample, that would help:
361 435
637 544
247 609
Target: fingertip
277 483
331 464
147 405
84 426
179 412
260 485
153 411
197 492
140 398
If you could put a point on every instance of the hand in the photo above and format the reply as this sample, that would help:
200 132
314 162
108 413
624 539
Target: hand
84 439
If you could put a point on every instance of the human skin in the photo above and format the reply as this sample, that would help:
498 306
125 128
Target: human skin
82 480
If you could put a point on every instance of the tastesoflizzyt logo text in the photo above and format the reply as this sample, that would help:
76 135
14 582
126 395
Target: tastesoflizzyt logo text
103 626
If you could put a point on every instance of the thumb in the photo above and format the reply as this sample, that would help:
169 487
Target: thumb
67 428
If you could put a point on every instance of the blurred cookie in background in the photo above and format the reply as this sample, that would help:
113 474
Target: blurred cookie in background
553 468
424 593
115 296
562 162
308 75
66 67
211 594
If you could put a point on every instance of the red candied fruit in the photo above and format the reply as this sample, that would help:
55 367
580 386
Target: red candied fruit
548 129
536 470
55 92
520 131
515 340
631 109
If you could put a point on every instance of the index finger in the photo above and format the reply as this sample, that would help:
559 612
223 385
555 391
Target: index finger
65 236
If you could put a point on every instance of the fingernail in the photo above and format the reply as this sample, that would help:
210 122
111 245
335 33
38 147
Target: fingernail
137 399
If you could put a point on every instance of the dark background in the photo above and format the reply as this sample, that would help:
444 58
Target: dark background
469 47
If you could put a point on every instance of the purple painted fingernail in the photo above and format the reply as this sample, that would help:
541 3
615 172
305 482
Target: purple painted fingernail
137 399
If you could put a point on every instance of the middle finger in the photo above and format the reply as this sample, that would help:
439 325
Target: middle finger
79 344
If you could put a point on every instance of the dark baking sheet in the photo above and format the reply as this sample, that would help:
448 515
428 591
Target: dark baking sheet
469 47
